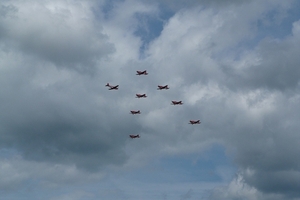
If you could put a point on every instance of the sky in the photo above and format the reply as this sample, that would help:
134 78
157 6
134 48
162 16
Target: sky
233 63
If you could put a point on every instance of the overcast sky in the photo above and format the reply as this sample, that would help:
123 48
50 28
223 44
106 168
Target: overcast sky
235 64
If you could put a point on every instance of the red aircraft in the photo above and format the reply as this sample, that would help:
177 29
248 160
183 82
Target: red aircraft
134 136
135 112
160 87
112 87
177 103
141 96
142 72
195 121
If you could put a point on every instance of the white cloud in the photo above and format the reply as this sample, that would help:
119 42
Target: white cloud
61 32
67 126
237 189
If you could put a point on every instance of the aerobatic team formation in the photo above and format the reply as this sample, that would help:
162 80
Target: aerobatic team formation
160 87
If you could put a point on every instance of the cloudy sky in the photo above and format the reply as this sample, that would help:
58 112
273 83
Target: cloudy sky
235 64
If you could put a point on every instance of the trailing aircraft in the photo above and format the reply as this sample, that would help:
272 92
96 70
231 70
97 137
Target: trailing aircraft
195 121
177 103
141 96
141 72
111 87
134 136
135 112
165 87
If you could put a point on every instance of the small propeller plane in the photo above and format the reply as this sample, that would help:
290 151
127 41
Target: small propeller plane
177 103
141 95
195 121
134 136
111 87
135 112
161 87
141 72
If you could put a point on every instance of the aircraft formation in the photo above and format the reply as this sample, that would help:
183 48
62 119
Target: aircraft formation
159 87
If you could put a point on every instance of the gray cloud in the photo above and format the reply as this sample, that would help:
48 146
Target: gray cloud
278 69
53 114
255 96
176 5
57 32
49 114
187 195
57 124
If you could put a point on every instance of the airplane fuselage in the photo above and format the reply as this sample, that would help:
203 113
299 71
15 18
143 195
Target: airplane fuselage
163 87
135 112
195 122
111 87
141 96
141 72
134 136
177 102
